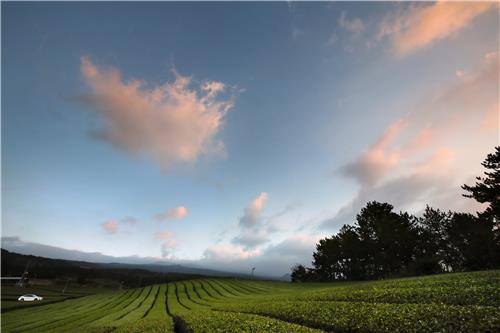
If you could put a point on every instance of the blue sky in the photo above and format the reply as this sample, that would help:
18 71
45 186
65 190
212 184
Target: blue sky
233 134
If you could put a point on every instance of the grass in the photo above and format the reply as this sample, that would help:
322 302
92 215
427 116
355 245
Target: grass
459 302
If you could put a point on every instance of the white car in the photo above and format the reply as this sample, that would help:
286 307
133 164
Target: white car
30 298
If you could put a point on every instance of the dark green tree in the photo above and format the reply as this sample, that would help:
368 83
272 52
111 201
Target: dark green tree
471 243
298 273
327 259
389 239
302 274
431 252
340 257
352 254
487 188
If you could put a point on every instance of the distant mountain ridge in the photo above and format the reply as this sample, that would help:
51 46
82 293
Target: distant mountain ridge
131 275
177 268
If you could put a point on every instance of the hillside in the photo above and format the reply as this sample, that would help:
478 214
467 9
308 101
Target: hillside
87 273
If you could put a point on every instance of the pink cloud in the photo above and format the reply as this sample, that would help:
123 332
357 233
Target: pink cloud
491 119
258 202
421 25
110 226
166 124
422 140
476 89
176 213
425 158
253 211
379 159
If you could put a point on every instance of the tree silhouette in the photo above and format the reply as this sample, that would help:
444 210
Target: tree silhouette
487 188
301 274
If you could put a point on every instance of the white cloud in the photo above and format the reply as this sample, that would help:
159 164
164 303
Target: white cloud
252 231
354 26
166 124
275 259
168 243
228 252
167 247
251 238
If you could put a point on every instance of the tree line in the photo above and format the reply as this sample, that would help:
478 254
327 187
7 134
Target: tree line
383 243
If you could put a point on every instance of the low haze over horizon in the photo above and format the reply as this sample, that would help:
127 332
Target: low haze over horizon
235 135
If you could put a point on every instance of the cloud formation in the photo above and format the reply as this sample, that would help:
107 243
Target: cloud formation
354 26
166 248
110 226
421 25
275 259
378 159
425 157
167 124
162 235
251 238
253 211
491 119
175 213
168 243
228 252
252 231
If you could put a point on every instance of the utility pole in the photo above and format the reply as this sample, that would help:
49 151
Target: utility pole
20 283
66 286
253 269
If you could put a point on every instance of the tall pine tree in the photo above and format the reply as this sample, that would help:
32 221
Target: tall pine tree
487 188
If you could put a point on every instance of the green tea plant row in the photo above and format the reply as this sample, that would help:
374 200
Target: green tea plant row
377 317
28 318
51 294
188 307
192 311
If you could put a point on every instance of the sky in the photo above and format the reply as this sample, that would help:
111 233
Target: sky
236 135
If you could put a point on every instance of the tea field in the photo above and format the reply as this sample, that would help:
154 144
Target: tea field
459 302
51 294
